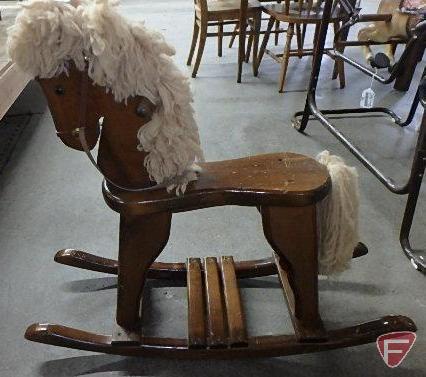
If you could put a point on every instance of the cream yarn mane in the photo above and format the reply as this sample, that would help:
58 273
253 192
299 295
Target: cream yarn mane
127 59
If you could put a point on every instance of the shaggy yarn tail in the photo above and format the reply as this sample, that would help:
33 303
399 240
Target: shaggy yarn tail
338 216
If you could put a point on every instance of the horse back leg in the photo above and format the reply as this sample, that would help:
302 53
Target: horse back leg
292 233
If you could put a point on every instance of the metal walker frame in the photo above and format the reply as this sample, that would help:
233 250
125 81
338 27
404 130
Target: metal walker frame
311 111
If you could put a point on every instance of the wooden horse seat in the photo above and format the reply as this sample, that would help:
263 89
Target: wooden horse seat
285 179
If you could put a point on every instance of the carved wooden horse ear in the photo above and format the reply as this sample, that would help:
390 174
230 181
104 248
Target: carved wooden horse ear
288 190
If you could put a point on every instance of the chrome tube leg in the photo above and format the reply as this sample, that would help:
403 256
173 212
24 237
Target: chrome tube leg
417 257
316 66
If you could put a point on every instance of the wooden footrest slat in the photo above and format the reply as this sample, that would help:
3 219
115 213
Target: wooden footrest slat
236 323
196 311
216 326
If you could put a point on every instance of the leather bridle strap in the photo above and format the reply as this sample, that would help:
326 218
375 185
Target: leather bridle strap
83 141
81 132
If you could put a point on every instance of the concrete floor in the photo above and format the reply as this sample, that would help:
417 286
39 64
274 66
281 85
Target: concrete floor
50 199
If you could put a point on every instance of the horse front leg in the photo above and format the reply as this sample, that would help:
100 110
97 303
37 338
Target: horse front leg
390 53
142 238
364 35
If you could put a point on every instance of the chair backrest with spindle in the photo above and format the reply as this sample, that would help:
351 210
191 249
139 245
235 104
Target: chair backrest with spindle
302 6
309 9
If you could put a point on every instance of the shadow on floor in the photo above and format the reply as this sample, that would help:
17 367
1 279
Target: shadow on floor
110 282
320 364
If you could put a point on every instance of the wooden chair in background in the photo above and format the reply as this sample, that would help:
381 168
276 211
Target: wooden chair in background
219 13
298 15
277 31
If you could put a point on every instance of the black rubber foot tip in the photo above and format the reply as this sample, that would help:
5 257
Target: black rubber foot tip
360 250
380 61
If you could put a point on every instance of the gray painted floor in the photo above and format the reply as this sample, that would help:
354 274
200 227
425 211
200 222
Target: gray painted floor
50 199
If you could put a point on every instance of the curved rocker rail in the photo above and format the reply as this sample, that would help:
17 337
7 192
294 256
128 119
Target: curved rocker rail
159 270
260 346
174 270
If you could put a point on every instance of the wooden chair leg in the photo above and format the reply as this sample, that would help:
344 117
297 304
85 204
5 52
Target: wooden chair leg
264 44
257 22
299 41
286 57
219 39
403 81
316 33
277 27
249 46
142 238
193 43
277 36
304 27
201 44
339 65
234 35
341 73
335 67
394 46
292 233
242 41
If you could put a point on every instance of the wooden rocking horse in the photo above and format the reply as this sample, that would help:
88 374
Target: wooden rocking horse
287 189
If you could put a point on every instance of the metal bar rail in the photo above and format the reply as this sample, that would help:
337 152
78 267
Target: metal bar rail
413 185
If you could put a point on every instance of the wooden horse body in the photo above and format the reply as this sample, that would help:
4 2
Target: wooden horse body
285 187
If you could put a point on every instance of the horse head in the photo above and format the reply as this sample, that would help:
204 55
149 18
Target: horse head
65 97
76 102
92 63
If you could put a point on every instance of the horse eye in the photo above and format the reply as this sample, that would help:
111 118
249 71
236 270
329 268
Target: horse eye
59 90
142 111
